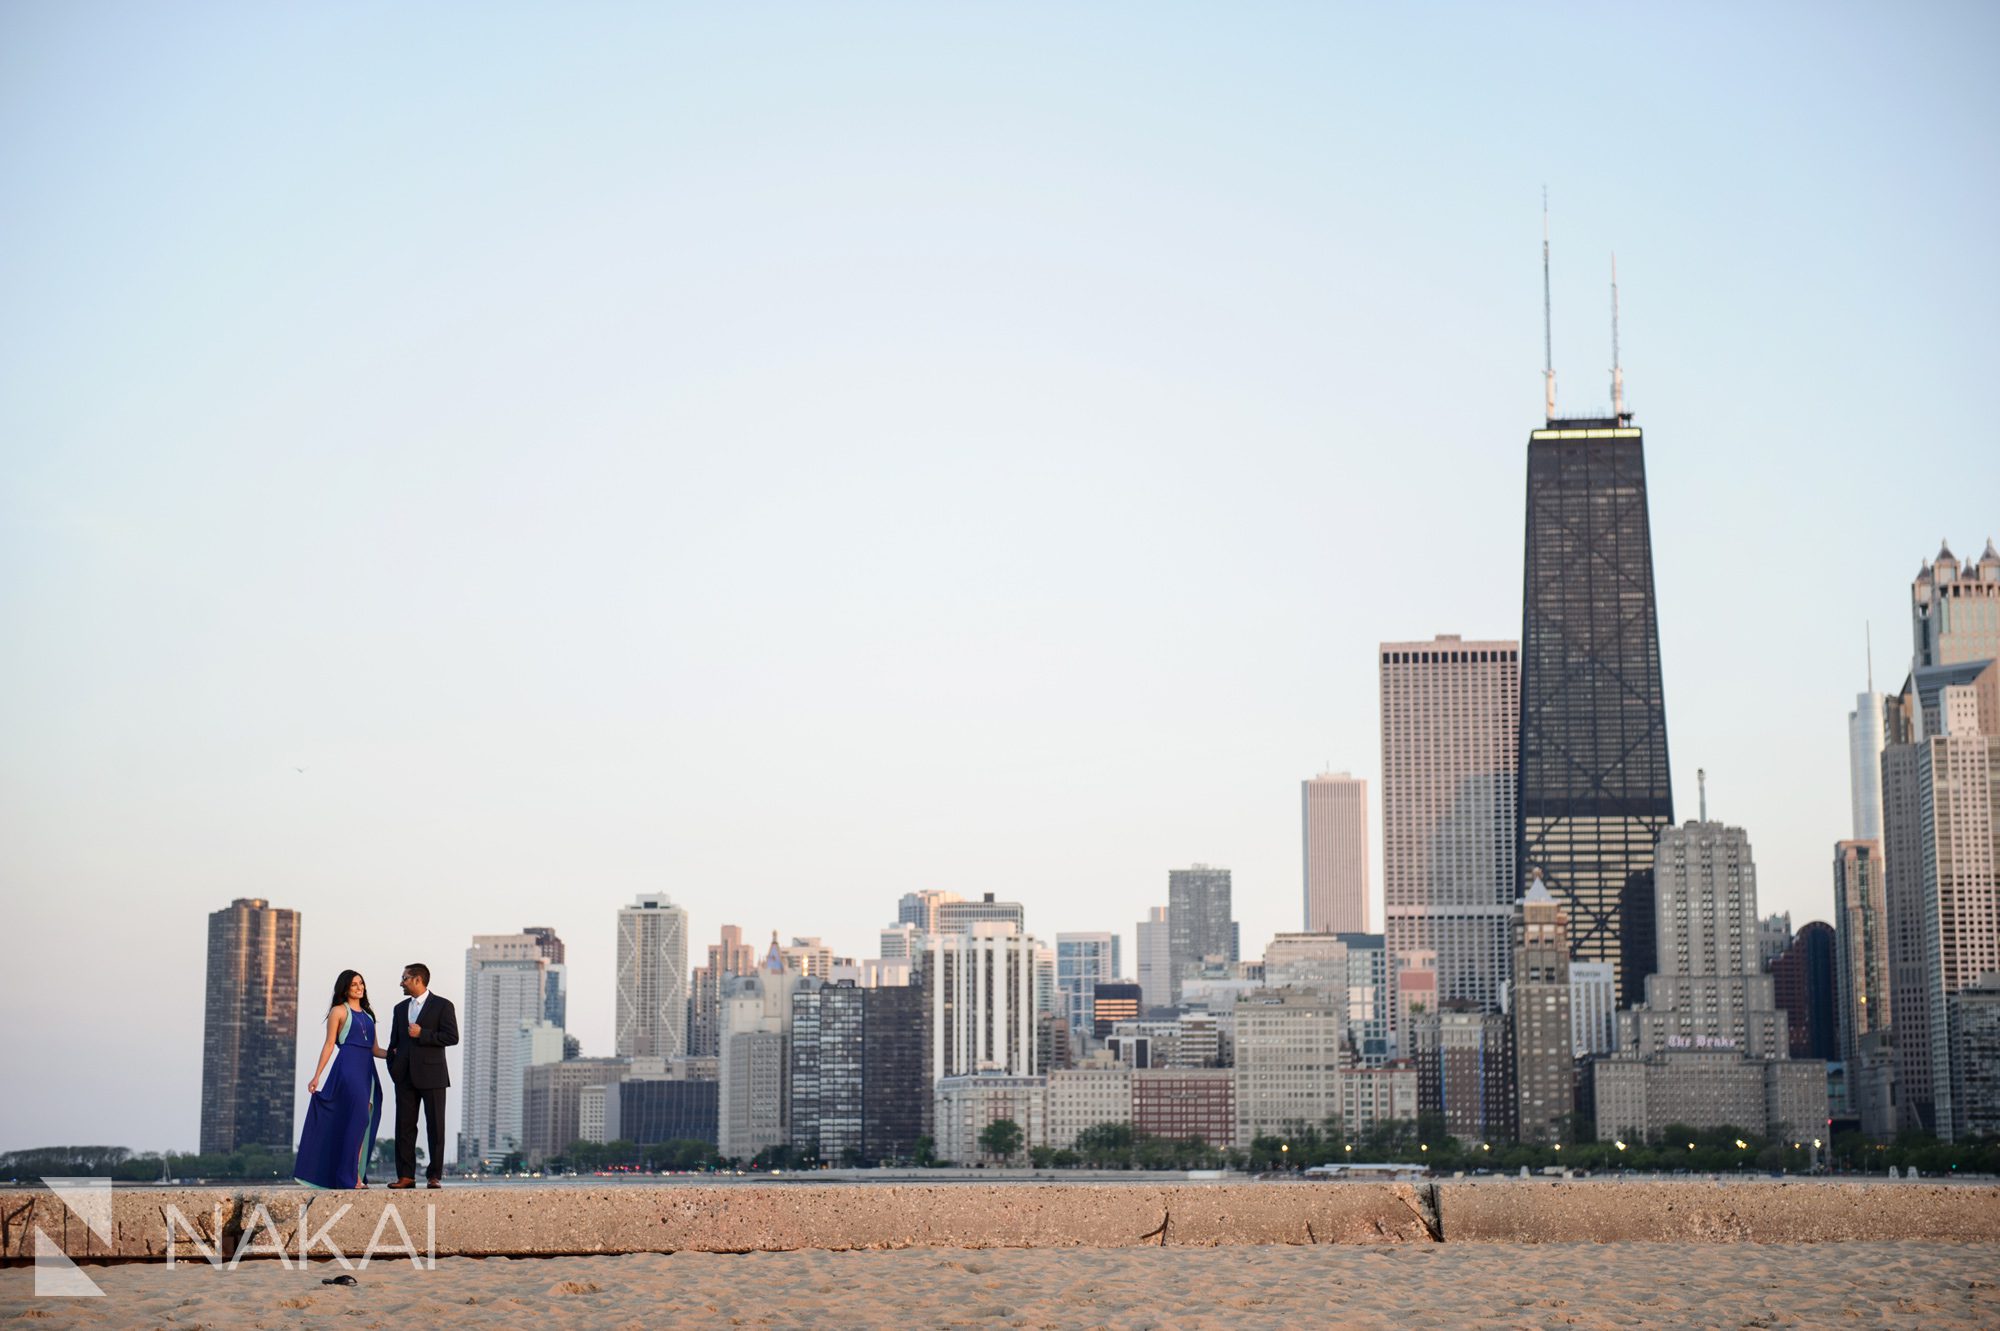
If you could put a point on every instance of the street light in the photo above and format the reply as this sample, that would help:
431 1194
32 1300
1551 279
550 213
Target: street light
1619 1145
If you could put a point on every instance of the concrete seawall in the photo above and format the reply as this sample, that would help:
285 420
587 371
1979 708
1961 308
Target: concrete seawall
210 1223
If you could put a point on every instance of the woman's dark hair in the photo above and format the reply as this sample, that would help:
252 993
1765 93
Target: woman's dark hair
340 991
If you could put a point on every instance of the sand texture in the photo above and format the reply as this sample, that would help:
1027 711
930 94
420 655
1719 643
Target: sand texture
1402 1287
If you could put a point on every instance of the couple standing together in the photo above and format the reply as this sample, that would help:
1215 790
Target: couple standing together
344 1098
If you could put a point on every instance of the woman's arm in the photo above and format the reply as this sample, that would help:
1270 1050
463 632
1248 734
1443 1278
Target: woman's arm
326 1050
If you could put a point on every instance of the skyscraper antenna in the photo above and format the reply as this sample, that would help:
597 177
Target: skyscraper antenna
1548 338
1701 783
1617 370
1868 632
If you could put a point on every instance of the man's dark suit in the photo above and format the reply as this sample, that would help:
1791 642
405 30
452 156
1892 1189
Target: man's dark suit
417 1068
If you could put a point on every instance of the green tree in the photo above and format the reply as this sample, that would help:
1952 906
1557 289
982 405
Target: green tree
1001 1137
924 1152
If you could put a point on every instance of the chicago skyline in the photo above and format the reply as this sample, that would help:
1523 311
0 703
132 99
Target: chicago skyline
1019 624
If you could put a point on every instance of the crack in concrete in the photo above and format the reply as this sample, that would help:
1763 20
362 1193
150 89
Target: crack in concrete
1427 1213
7 1228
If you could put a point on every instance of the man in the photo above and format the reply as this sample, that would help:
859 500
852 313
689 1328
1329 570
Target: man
424 1026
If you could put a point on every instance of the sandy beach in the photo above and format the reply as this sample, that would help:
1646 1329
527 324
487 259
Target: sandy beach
1734 1286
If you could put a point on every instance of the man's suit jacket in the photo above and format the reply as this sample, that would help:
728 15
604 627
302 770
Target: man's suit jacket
420 1062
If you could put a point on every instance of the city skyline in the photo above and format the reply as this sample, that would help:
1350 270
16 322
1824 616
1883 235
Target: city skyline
889 435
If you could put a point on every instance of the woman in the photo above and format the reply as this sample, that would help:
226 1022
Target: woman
344 1104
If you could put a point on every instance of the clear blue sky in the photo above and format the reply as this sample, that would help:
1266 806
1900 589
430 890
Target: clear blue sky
789 456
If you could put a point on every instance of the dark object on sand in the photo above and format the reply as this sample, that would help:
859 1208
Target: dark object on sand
340 1280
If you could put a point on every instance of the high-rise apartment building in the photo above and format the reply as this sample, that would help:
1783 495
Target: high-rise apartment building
652 1012
506 978
1544 1027
1464 1070
1334 819
1082 961
1450 712
1156 958
555 991
1955 609
1972 1032
980 988
1353 964
958 917
1805 984
1290 1051
1594 788
731 956
920 909
1942 844
249 1046
1593 1008
901 942
828 1025
1200 928
895 1086
1861 941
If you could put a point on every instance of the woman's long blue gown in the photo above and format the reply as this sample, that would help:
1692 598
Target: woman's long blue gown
343 1115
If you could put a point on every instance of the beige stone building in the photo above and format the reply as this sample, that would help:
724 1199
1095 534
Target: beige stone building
965 1106
1290 1050
1335 818
1709 991
1085 1096
1544 1032
1638 1098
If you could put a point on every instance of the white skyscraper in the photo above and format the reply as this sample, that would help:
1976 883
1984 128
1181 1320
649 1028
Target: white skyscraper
1866 738
1156 959
981 990
1450 714
1334 819
652 979
505 986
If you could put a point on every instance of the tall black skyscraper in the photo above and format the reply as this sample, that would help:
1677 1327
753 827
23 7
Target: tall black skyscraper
1594 791
250 1026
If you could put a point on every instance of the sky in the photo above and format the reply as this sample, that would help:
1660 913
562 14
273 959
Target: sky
786 456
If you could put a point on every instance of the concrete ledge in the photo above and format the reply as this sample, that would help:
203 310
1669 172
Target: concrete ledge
560 1221
1761 1211
470 1221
